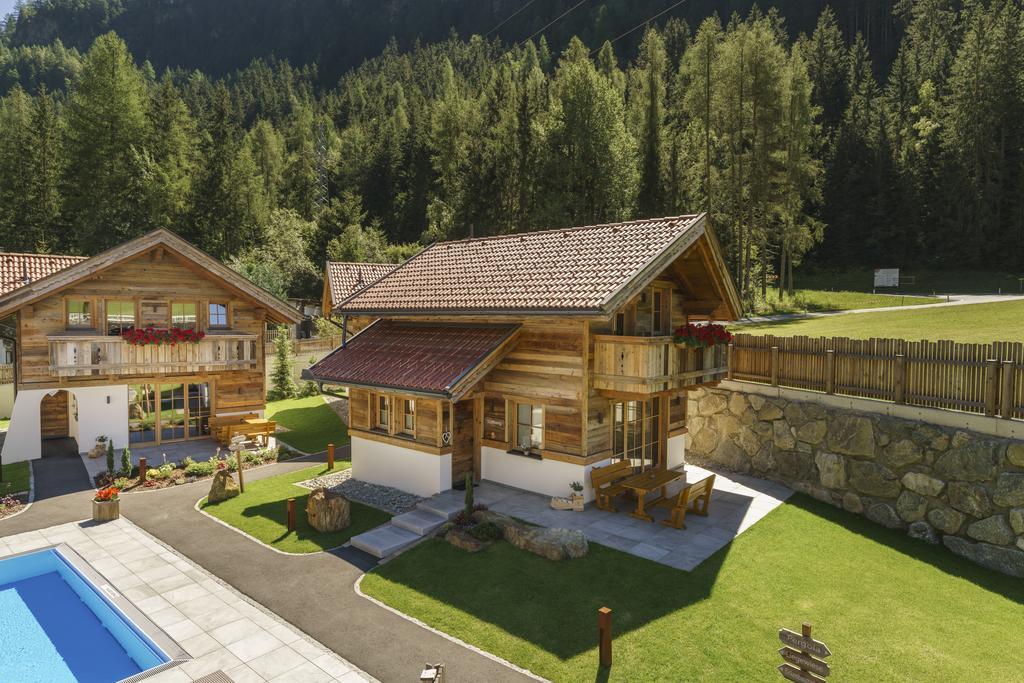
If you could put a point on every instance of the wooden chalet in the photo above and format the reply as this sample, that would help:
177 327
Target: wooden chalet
77 377
529 359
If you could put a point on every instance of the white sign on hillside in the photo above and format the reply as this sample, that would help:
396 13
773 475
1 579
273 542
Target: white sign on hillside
887 277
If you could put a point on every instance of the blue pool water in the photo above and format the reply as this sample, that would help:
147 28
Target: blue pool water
57 627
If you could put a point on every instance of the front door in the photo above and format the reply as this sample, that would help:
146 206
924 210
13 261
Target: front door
53 416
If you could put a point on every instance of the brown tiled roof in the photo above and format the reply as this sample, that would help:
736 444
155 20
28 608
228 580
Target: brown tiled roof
18 270
415 357
346 278
576 269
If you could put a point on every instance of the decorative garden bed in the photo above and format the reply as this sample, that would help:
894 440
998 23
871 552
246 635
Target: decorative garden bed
190 470
11 505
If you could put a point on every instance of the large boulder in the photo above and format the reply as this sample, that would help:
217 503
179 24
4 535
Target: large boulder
1015 454
852 502
731 456
911 506
704 441
782 436
738 404
1005 560
328 511
923 531
882 513
554 544
711 404
222 487
872 479
923 484
748 440
973 460
851 434
946 520
795 466
461 539
831 470
994 529
812 432
969 498
770 411
1009 491
1017 520
900 454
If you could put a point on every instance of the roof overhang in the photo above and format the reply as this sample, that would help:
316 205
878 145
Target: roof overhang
190 256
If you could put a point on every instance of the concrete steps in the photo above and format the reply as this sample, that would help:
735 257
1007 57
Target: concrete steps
409 527
384 541
420 522
446 504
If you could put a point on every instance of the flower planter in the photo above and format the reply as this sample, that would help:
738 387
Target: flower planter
106 510
573 502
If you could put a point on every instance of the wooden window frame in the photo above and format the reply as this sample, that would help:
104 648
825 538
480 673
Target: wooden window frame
664 311
227 315
106 313
512 426
402 430
93 313
375 419
664 413
170 312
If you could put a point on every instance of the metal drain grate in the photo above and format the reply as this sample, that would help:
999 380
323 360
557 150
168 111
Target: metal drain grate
215 677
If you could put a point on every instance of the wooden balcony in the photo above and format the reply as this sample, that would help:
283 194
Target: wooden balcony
648 365
94 355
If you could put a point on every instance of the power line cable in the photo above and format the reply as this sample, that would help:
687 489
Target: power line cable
509 18
551 23
641 24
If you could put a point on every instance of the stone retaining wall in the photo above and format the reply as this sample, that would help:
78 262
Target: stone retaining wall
960 488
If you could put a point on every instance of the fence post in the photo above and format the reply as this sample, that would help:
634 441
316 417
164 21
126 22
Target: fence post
991 386
330 456
1007 410
238 464
775 366
291 514
142 470
830 371
604 635
728 361
899 380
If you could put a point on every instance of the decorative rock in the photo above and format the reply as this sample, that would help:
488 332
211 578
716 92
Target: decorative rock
1015 454
946 520
783 436
831 469
769 412
726 425
1005 560
969 498
812 432
222 487
901 453
852 503
923 531
872 479
851 434
1009 491
794 414
460 539
911 507
711 404
931 437
705 441
748 440
994 529
972 461
794 466
756 401
738 403
1017 520
921 483
882 513
554 544
328 511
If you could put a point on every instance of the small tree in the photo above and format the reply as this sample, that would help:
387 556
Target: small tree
126 462
281 380
110 457
469 495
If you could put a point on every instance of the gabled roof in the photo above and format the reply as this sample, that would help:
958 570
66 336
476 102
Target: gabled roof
18 270
420 358
200 261
590 270
346 278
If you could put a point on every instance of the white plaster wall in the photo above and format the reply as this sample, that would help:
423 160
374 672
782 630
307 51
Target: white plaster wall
676 451
97 417
6 399
23 441
423 474
547 477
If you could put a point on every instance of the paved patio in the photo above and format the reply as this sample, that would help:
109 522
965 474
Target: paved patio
223 630
738 502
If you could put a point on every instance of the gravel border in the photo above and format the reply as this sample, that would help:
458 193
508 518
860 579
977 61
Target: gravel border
385 498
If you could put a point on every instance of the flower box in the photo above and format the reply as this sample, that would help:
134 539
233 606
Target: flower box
151 336
106 510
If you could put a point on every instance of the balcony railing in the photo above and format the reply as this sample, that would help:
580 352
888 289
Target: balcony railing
647 365
93 355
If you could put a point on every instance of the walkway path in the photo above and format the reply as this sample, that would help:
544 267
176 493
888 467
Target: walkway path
952 300
313 592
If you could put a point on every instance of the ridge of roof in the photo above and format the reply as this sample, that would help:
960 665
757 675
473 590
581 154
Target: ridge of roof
574 228
35 255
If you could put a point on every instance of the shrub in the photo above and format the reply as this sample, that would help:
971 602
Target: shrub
166 470
200 469
281 381
110 457
309 389
252 457
486 531
153 474
121 483
126 462
187 461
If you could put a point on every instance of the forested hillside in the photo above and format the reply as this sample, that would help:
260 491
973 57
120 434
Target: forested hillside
802 145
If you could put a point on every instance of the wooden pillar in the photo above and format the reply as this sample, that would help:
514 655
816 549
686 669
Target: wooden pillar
775 366
991 386
291 514
830 372
241 478
478 434
1009 370
604 635
142 470
899 379
728 361
330 456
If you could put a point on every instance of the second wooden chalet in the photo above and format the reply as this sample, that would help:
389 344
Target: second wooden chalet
529 359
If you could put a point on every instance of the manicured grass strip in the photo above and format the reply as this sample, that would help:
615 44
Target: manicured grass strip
261 512
890 608
15 479
311 423
979 323
812 300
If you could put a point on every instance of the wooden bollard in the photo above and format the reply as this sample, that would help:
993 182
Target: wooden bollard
291 514
604 635
142 470
330 456
238 460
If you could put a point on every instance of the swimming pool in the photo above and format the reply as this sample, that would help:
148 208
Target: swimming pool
62 622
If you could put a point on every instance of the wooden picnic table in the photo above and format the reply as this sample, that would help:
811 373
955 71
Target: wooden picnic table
648 481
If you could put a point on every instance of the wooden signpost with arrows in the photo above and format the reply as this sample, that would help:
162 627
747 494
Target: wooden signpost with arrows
804 656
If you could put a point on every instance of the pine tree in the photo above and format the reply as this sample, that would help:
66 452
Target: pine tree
16 153
169 159
281 380
648 95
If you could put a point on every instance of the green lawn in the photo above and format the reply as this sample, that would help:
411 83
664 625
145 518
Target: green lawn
981 323
311 423
925 281
890 608
15 479
5 424
804 300
261 512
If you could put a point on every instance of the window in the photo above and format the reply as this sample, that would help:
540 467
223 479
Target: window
218 315
79 313
120 316
383 413
408 416
183 316
620 324
656 326
636 432
529 427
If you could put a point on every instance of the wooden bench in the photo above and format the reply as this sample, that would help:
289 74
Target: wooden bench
605 481
694 497
219 425
256 427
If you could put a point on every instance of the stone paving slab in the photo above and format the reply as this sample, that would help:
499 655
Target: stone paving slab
737 503
219 627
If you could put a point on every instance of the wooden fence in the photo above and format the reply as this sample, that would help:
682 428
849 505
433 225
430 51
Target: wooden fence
987 379
6 373
302 348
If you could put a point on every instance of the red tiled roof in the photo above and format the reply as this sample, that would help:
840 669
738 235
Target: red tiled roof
18 270
347 278
422 358
575 269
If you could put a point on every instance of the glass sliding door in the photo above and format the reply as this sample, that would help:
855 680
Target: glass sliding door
142 414
198 410
168 412
636 432
172 412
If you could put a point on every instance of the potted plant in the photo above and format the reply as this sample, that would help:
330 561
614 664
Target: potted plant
576 496
100 449
106 504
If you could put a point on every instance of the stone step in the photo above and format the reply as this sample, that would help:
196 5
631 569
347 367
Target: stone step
384 541
420 522
446 504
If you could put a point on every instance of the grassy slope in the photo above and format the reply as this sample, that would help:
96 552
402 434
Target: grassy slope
312 424
926 281
890 608
805 300
972 323
15 479
261 512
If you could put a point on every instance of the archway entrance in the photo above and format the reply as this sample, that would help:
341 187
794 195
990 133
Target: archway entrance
54 411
